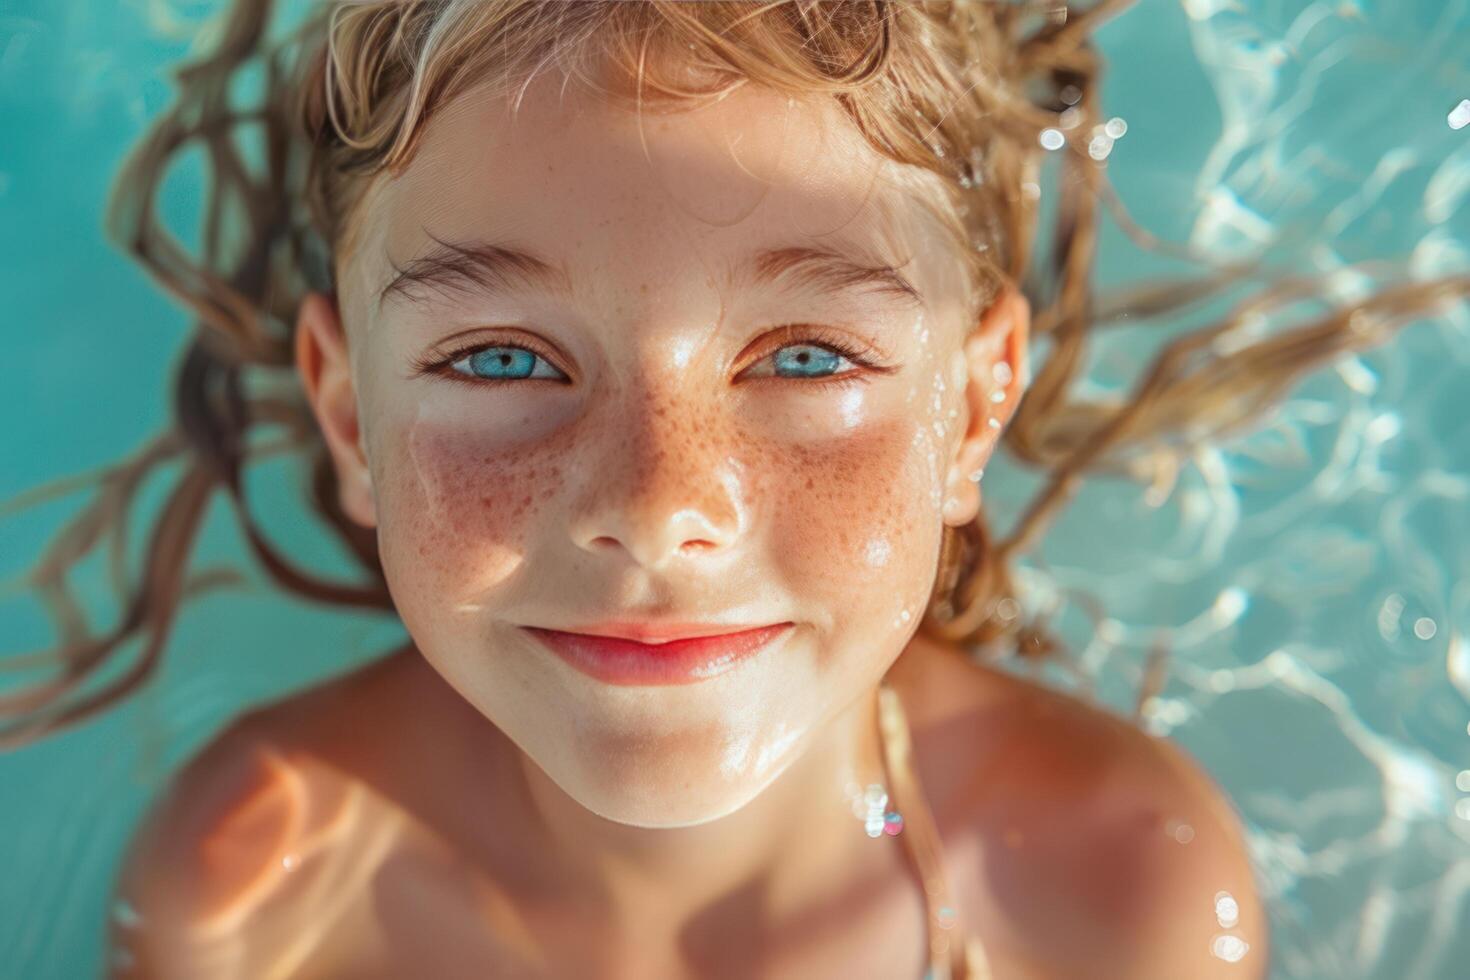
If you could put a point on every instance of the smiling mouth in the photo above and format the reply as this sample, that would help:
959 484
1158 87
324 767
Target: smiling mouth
659 632
683 659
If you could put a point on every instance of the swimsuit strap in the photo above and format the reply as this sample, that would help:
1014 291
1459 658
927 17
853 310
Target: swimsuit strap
952 955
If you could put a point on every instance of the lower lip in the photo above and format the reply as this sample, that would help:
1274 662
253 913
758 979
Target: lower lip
628 662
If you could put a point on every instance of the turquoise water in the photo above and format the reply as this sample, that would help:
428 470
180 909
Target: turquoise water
1311 577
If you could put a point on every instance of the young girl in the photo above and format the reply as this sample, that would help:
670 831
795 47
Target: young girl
656 351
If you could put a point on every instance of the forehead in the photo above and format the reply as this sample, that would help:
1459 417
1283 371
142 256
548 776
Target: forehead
602 187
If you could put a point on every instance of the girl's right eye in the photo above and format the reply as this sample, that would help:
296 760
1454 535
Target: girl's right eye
481 364
502 362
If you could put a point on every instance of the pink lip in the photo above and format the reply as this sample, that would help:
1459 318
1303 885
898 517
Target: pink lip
624 662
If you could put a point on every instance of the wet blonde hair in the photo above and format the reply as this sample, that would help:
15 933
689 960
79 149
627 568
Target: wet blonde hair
958 91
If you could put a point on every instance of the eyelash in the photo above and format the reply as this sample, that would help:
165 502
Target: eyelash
858 353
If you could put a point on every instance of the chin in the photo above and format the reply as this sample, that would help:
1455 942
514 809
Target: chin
659 790
667 808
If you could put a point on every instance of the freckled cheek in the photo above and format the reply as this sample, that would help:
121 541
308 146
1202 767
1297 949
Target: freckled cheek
856 529
458 506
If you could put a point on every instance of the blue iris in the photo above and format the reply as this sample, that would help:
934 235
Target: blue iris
503 363
805 358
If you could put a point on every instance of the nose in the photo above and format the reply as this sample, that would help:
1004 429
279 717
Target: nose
662 489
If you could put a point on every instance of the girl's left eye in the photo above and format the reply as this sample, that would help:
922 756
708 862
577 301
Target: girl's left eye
815 361
814 358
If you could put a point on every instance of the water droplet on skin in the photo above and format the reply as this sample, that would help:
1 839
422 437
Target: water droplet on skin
1227 910
1001 372
1229 948
877 552
993 423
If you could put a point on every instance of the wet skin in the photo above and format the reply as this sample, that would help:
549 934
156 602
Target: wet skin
672 442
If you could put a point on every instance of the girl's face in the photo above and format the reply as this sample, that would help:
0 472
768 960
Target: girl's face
660 426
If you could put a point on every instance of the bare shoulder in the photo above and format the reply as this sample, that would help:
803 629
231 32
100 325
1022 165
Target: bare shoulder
1103 850
239 838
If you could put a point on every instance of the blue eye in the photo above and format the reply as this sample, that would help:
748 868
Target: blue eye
502 363
815 357
807 358
818 356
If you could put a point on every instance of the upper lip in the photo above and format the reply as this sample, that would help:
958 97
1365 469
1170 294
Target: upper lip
664 632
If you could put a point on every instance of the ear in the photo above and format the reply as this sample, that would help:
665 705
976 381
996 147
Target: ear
326 374
992 392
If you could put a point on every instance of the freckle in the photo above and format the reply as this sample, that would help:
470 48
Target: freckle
1013 838
526 500
809 482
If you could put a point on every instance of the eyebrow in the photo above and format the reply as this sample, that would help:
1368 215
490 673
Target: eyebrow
451 267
